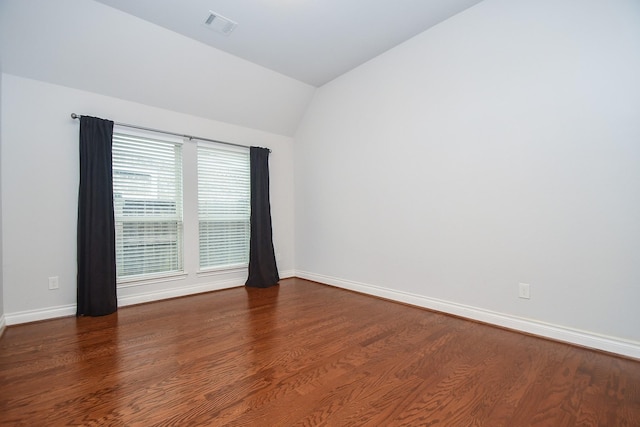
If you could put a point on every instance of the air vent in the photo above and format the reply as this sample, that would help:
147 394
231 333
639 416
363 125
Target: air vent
220 24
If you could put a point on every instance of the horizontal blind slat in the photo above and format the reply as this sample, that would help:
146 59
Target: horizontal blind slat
147 186
223 207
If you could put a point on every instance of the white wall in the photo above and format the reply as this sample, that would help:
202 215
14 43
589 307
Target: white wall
501 146
2 320
40 189
84 57
87 45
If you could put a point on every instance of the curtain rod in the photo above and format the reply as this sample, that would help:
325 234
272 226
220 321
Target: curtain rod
76 116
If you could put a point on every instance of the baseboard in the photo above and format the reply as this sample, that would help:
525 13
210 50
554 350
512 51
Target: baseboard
189 290
41 314
286 274
556 332
3 325
178 292
70 310
139 298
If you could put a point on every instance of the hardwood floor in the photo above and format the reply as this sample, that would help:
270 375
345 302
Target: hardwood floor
302 354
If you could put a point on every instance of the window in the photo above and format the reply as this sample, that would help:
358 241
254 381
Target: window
147 195
223 206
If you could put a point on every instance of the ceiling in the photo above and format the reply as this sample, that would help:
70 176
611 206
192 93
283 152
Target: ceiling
313 41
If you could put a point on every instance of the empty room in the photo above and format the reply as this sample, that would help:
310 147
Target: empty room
332 213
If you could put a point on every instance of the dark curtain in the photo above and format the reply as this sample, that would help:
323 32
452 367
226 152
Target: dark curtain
96 226
263 271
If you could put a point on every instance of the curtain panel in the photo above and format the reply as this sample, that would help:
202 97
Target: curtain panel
96 226
263 271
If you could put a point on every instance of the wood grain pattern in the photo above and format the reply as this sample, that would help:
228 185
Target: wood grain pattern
302 354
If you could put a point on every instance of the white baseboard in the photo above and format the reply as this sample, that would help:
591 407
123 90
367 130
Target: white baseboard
3 325
41 314
138 298
556 332
189 290
178 292
70 310
286 274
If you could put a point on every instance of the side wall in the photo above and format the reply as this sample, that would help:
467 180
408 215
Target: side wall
2 319
499 147
40 189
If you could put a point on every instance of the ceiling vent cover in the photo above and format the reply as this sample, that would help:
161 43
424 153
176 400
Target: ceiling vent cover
220 24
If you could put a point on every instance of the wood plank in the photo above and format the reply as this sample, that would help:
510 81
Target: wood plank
302 354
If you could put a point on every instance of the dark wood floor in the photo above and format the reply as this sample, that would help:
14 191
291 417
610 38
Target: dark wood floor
302 354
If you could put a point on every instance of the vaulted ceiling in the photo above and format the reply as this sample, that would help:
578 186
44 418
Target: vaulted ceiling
313 41
160 53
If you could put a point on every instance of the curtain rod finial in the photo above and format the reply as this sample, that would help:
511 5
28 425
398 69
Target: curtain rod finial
74 116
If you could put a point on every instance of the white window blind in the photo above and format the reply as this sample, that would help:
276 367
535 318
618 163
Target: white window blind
147 193
223 206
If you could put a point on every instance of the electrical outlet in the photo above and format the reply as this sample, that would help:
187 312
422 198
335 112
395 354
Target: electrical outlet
524 290
53 282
